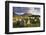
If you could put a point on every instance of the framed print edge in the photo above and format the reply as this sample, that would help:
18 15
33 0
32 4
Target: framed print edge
7 17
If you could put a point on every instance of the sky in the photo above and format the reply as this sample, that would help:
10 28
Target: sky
23 10
20 9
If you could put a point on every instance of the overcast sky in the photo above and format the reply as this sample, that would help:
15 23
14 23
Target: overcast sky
22 10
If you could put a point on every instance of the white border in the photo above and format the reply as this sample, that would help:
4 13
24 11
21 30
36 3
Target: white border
11 29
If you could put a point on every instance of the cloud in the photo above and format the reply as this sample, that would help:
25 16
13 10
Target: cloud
23 10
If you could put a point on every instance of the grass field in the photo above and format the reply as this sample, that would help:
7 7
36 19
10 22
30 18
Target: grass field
26 21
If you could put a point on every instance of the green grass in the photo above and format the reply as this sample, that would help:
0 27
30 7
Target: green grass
33 23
